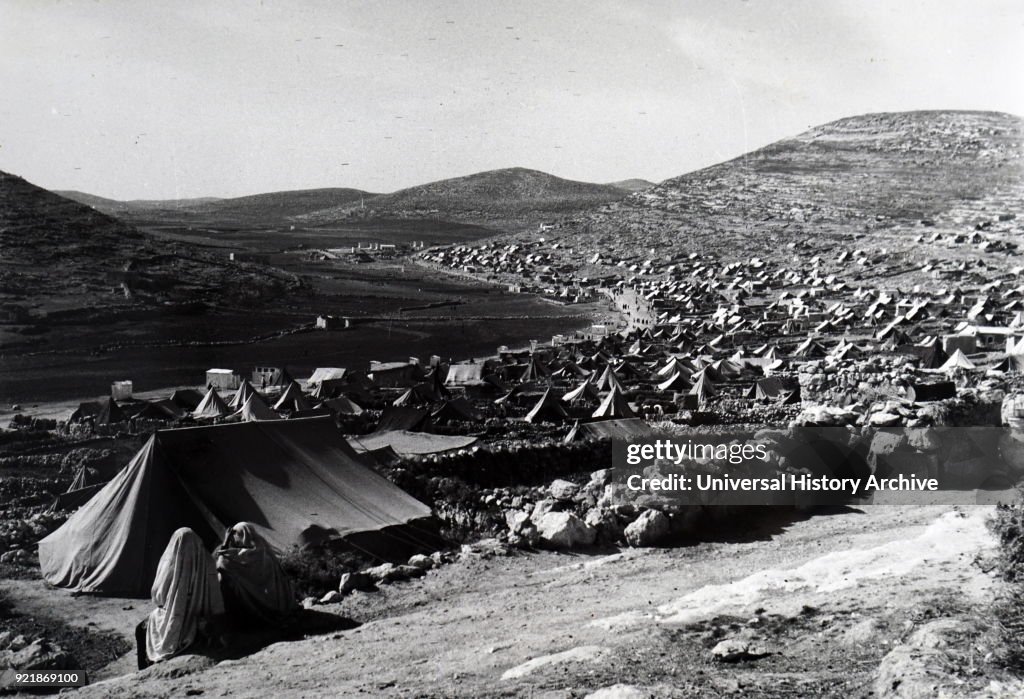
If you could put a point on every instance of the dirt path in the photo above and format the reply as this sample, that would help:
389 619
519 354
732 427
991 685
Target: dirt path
836 591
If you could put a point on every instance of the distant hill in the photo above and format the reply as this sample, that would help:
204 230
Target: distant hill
884 173
516 197
58 255
512 199
633 185
270 208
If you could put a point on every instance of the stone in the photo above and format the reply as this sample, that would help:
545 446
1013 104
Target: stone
602 477
733 650
619 691
350 582
564 530
885 419
516 520
541 508
382 573
420 561
406 572
331 597
563 490
648 529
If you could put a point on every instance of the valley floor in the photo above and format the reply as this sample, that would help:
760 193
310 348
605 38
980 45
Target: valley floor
827 597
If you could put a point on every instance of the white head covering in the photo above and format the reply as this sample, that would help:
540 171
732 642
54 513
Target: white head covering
185 591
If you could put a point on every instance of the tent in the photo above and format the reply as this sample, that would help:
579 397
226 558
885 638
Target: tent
456 410
957 360
411 443
187 398
776 387
298 481
609 380
923 392
627 428
163 409
584 392
212 406
110 414
411 419
85 410
547 409
245 390
676 382
342 406
292 399
614 405
535 371
255 409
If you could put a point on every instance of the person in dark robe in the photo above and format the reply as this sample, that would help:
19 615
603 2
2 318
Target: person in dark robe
256 590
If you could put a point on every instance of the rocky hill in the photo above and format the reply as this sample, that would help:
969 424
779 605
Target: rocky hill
879 173
515 198
58 255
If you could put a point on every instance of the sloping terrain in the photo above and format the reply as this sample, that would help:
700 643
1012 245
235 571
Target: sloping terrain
631 185
873 173
826 598
59 255
262 209
515 198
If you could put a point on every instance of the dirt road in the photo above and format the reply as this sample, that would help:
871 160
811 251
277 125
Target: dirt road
826 597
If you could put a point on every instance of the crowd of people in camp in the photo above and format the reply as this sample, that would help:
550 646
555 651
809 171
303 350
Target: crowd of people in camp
202 598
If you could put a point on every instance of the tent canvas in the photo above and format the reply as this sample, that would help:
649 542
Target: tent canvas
212 406
298 481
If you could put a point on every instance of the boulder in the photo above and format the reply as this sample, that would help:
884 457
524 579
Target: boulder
383 573
350 582
563 490
733 650
885 419
605 523
541 508
648 529
516 520
331 597
564 530
423 562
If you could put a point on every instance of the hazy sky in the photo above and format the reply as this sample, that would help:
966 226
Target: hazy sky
179 99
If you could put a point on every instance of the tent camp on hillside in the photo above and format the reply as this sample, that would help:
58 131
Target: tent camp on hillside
298 481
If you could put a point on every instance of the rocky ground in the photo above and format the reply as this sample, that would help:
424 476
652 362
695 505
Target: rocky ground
884 599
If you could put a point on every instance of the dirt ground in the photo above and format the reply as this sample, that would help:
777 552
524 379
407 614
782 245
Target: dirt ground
826 596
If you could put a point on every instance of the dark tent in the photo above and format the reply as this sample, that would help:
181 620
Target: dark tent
342 406
930 357
298 481
418 395
110 414
409 419
456 410
164 409
1010 363
188 399
85 411
923 392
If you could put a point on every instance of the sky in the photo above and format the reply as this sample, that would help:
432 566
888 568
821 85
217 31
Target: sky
159 100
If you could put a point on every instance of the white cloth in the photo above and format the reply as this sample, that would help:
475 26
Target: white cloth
185 593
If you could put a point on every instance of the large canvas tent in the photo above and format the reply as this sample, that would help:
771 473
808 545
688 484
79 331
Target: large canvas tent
298 481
